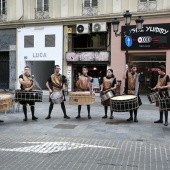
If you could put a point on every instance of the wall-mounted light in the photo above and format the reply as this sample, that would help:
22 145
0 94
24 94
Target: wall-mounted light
94 68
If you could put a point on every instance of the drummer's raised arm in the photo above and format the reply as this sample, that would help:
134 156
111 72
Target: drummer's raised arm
126 70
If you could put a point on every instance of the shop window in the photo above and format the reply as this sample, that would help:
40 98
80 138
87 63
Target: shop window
50 40
147 5
90 42
28 41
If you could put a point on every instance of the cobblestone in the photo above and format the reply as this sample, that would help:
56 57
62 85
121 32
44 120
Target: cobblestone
84 144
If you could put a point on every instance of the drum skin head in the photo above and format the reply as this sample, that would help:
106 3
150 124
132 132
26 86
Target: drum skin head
124 97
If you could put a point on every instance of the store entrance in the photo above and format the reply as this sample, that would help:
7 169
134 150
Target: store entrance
97 72
147 65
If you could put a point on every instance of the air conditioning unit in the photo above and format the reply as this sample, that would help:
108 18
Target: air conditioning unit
82 28
99 27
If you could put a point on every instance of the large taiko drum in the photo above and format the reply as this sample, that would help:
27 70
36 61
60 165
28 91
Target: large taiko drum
124 103
21 95
164 104
57 97
153 97
5 101
81 98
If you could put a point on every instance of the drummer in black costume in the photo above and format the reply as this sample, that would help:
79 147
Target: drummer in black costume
162 85
132 75
108 84
27 84
56 82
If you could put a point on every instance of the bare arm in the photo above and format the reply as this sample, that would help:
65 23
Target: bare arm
47 85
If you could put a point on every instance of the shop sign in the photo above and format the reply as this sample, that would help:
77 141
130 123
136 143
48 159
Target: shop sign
154 36
88 56
37 55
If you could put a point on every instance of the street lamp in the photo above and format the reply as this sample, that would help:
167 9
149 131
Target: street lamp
127 18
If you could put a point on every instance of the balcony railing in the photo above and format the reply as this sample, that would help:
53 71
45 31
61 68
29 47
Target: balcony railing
147 6
89 9
3 15
41 13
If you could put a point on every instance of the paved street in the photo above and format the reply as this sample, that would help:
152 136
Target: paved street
86 144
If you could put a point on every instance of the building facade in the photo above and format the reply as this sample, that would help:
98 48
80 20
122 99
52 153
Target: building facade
87 36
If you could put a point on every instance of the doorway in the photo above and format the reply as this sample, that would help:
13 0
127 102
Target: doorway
147 65
4 70
41 71
97 72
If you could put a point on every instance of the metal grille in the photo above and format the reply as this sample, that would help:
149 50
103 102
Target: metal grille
28 41
90 8
50 40
4 70
147 5
42 13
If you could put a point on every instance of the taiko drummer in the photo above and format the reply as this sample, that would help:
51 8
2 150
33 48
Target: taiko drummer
27 84
108 85
84 83
162 85
131 88
56 82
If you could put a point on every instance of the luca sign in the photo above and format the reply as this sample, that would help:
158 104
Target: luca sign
155 36
39 55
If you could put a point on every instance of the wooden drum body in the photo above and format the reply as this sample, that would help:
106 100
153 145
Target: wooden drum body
34 95
81 98
5 101
153 97
124 103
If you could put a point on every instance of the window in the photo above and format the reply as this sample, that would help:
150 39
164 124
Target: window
50 40
42 4
89 3
28 41
2 6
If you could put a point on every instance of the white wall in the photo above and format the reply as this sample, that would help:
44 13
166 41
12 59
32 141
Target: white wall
33 54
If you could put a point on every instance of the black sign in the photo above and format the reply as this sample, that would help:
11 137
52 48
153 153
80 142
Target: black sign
155 36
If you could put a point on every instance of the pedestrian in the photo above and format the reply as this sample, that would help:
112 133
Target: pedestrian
56 83
108 86
163 83
131 88
84 84
27 84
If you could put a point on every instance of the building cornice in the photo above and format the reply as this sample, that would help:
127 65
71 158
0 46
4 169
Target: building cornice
81 19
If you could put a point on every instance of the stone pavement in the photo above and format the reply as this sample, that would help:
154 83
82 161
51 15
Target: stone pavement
92 144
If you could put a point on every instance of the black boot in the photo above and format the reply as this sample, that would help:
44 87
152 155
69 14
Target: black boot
161 118
135 116
166 118
111 114
79 110
105 110
50 110
1 121
25 112
32 111
64 110
88 109
131 116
